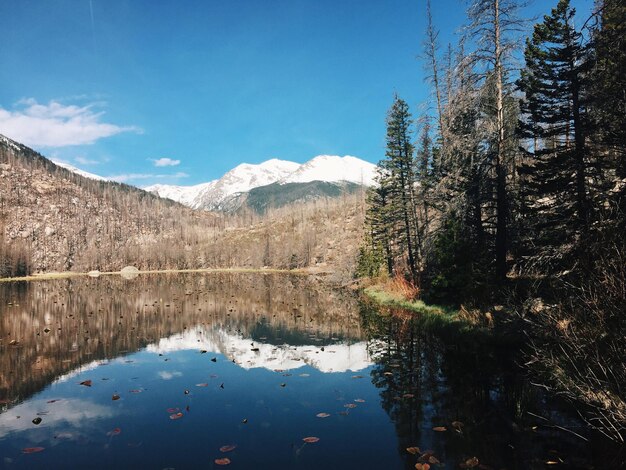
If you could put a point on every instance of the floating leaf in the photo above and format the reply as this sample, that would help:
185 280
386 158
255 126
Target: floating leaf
305 375
53 401
349 405
432 459
311 440
413 450
322 415
176 415
422 466
135 391
202 385
357 376
115 397
551 462
228 448
37 420
359 400
114 432
86 383
458 426
440 429
408 395
470 463
224 461
32 450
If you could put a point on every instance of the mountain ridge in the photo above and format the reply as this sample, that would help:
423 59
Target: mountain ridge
226 192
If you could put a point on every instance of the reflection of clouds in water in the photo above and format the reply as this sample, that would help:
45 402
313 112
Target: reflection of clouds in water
165 375
76 414
80 370
333 358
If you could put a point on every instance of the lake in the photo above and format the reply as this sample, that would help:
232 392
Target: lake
257 371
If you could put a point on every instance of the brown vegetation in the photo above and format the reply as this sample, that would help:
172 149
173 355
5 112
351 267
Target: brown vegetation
54 220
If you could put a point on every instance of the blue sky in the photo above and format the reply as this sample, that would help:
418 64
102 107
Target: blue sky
180 92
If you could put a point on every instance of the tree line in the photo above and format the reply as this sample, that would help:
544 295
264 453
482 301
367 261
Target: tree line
514 191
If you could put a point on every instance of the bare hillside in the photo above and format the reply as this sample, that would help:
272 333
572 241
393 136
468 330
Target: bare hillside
55 220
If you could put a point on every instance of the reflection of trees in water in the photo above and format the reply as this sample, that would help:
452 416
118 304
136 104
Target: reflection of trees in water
427 380
48 328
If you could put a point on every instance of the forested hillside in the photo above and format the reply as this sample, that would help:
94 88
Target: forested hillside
54 220
515 192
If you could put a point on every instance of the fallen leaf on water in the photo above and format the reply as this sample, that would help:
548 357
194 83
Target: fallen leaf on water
311 440
54 401
359 400
408 395
37 420
470 463
176 415
551 462
115 432
357 376
135 391
349 405
32 450
322 415
457 425
228 448
422 466
432 459
202 385
413 450
305 375
440 429
224 461
115 397
388 373
86 383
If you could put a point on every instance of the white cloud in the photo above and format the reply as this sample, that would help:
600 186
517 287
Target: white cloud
56 125
169 375
123 178
166 162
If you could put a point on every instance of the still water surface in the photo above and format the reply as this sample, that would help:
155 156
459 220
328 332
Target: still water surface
197 370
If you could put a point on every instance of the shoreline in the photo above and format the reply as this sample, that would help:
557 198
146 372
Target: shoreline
71 274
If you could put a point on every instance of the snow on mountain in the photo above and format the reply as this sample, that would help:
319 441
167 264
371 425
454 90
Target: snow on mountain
78 171
331 168
241 179
213 195
220 194
184 194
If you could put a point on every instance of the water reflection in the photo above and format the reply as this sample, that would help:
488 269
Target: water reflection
49 328
162 371
467 404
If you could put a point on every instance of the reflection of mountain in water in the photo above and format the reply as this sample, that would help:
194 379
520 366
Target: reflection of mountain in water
49 328
338 357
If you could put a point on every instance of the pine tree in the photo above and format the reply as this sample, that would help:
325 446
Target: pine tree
399 167
555 178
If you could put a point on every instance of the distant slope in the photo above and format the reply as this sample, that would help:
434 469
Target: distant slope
278 195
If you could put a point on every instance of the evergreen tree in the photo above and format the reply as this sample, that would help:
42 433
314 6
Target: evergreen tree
554 117
399 167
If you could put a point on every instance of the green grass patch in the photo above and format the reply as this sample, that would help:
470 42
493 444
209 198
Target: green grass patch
443 321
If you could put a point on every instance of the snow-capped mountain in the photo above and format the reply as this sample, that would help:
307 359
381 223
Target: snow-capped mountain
331 168
214 194
223 193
